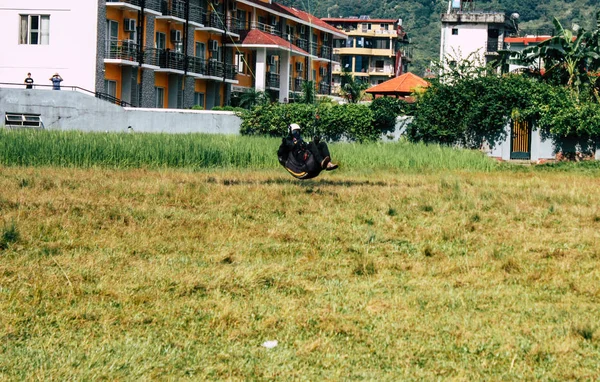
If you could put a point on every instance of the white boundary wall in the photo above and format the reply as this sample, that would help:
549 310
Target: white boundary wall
71 110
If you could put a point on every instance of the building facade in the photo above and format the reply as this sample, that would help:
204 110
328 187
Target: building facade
167 53
471 34
374 51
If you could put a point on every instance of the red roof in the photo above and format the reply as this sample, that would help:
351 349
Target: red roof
526 40
258 37
347 20
402 85
307 17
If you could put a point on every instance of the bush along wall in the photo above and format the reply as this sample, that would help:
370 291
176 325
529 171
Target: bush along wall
333 122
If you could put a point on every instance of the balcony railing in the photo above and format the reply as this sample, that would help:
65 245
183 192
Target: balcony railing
121 50
272 80
314 48
171 60
215 68
298 84
197 65
175 8
132 2
324 88
230 71
271 29
325 51
151 56
197 14
302 44
215 20
235 25
493 46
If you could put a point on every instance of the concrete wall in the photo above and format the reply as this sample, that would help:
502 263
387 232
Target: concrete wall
71 50
70 110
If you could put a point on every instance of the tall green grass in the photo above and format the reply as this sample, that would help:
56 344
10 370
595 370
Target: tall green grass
196 151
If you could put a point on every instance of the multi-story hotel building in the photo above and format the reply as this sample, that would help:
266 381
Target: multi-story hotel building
374 51
167 53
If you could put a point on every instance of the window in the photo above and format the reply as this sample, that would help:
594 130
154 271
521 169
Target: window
379 65
110 87
161 40
200 50
199 99
112 38
34 30
455 31
239 62
159 96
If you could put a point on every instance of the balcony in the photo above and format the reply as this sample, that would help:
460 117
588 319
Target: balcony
325 52
314 48
230 71
197 65
492 46
272 80
270 29
123 50
302 44
151 57
324 88
215 68
197 15
125 5
173 9
235 25
171 60
298 84
215 20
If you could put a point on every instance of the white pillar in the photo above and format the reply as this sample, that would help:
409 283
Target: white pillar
261 69
284 75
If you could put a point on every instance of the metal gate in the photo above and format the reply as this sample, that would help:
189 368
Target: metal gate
520 140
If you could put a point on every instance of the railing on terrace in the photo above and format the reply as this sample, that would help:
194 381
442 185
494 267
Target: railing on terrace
324 88
175 8
273 80
197 65
121 50
314 47
197 14
271 29
215 68
137 3
171 60
99 95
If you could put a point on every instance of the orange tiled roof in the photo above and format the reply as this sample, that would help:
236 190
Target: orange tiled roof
258 37
526 40
404 84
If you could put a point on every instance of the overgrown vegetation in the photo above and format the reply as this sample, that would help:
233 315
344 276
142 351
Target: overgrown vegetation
198 151
178 275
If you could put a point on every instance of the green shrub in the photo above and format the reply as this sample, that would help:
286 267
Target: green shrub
334 122
385 110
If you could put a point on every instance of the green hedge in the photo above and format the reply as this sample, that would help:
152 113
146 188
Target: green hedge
353 122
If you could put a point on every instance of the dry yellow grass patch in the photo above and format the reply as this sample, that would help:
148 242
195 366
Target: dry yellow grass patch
170 274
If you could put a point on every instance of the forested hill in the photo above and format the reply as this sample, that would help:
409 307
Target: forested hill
421 18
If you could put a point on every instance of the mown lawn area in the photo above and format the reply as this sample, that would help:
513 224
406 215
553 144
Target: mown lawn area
145 274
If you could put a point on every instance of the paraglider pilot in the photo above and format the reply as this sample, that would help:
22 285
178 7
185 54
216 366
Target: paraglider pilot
304 160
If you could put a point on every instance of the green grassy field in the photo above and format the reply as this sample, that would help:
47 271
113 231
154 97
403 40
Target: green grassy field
362 274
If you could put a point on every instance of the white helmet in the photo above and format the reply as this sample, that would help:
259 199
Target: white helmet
294 126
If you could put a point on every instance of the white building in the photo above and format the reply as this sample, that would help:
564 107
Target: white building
468 33
44 37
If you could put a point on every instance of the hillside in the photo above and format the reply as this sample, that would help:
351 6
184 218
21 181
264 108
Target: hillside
421 18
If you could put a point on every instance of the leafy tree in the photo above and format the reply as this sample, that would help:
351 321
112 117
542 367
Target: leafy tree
352 90
308 93
252 98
